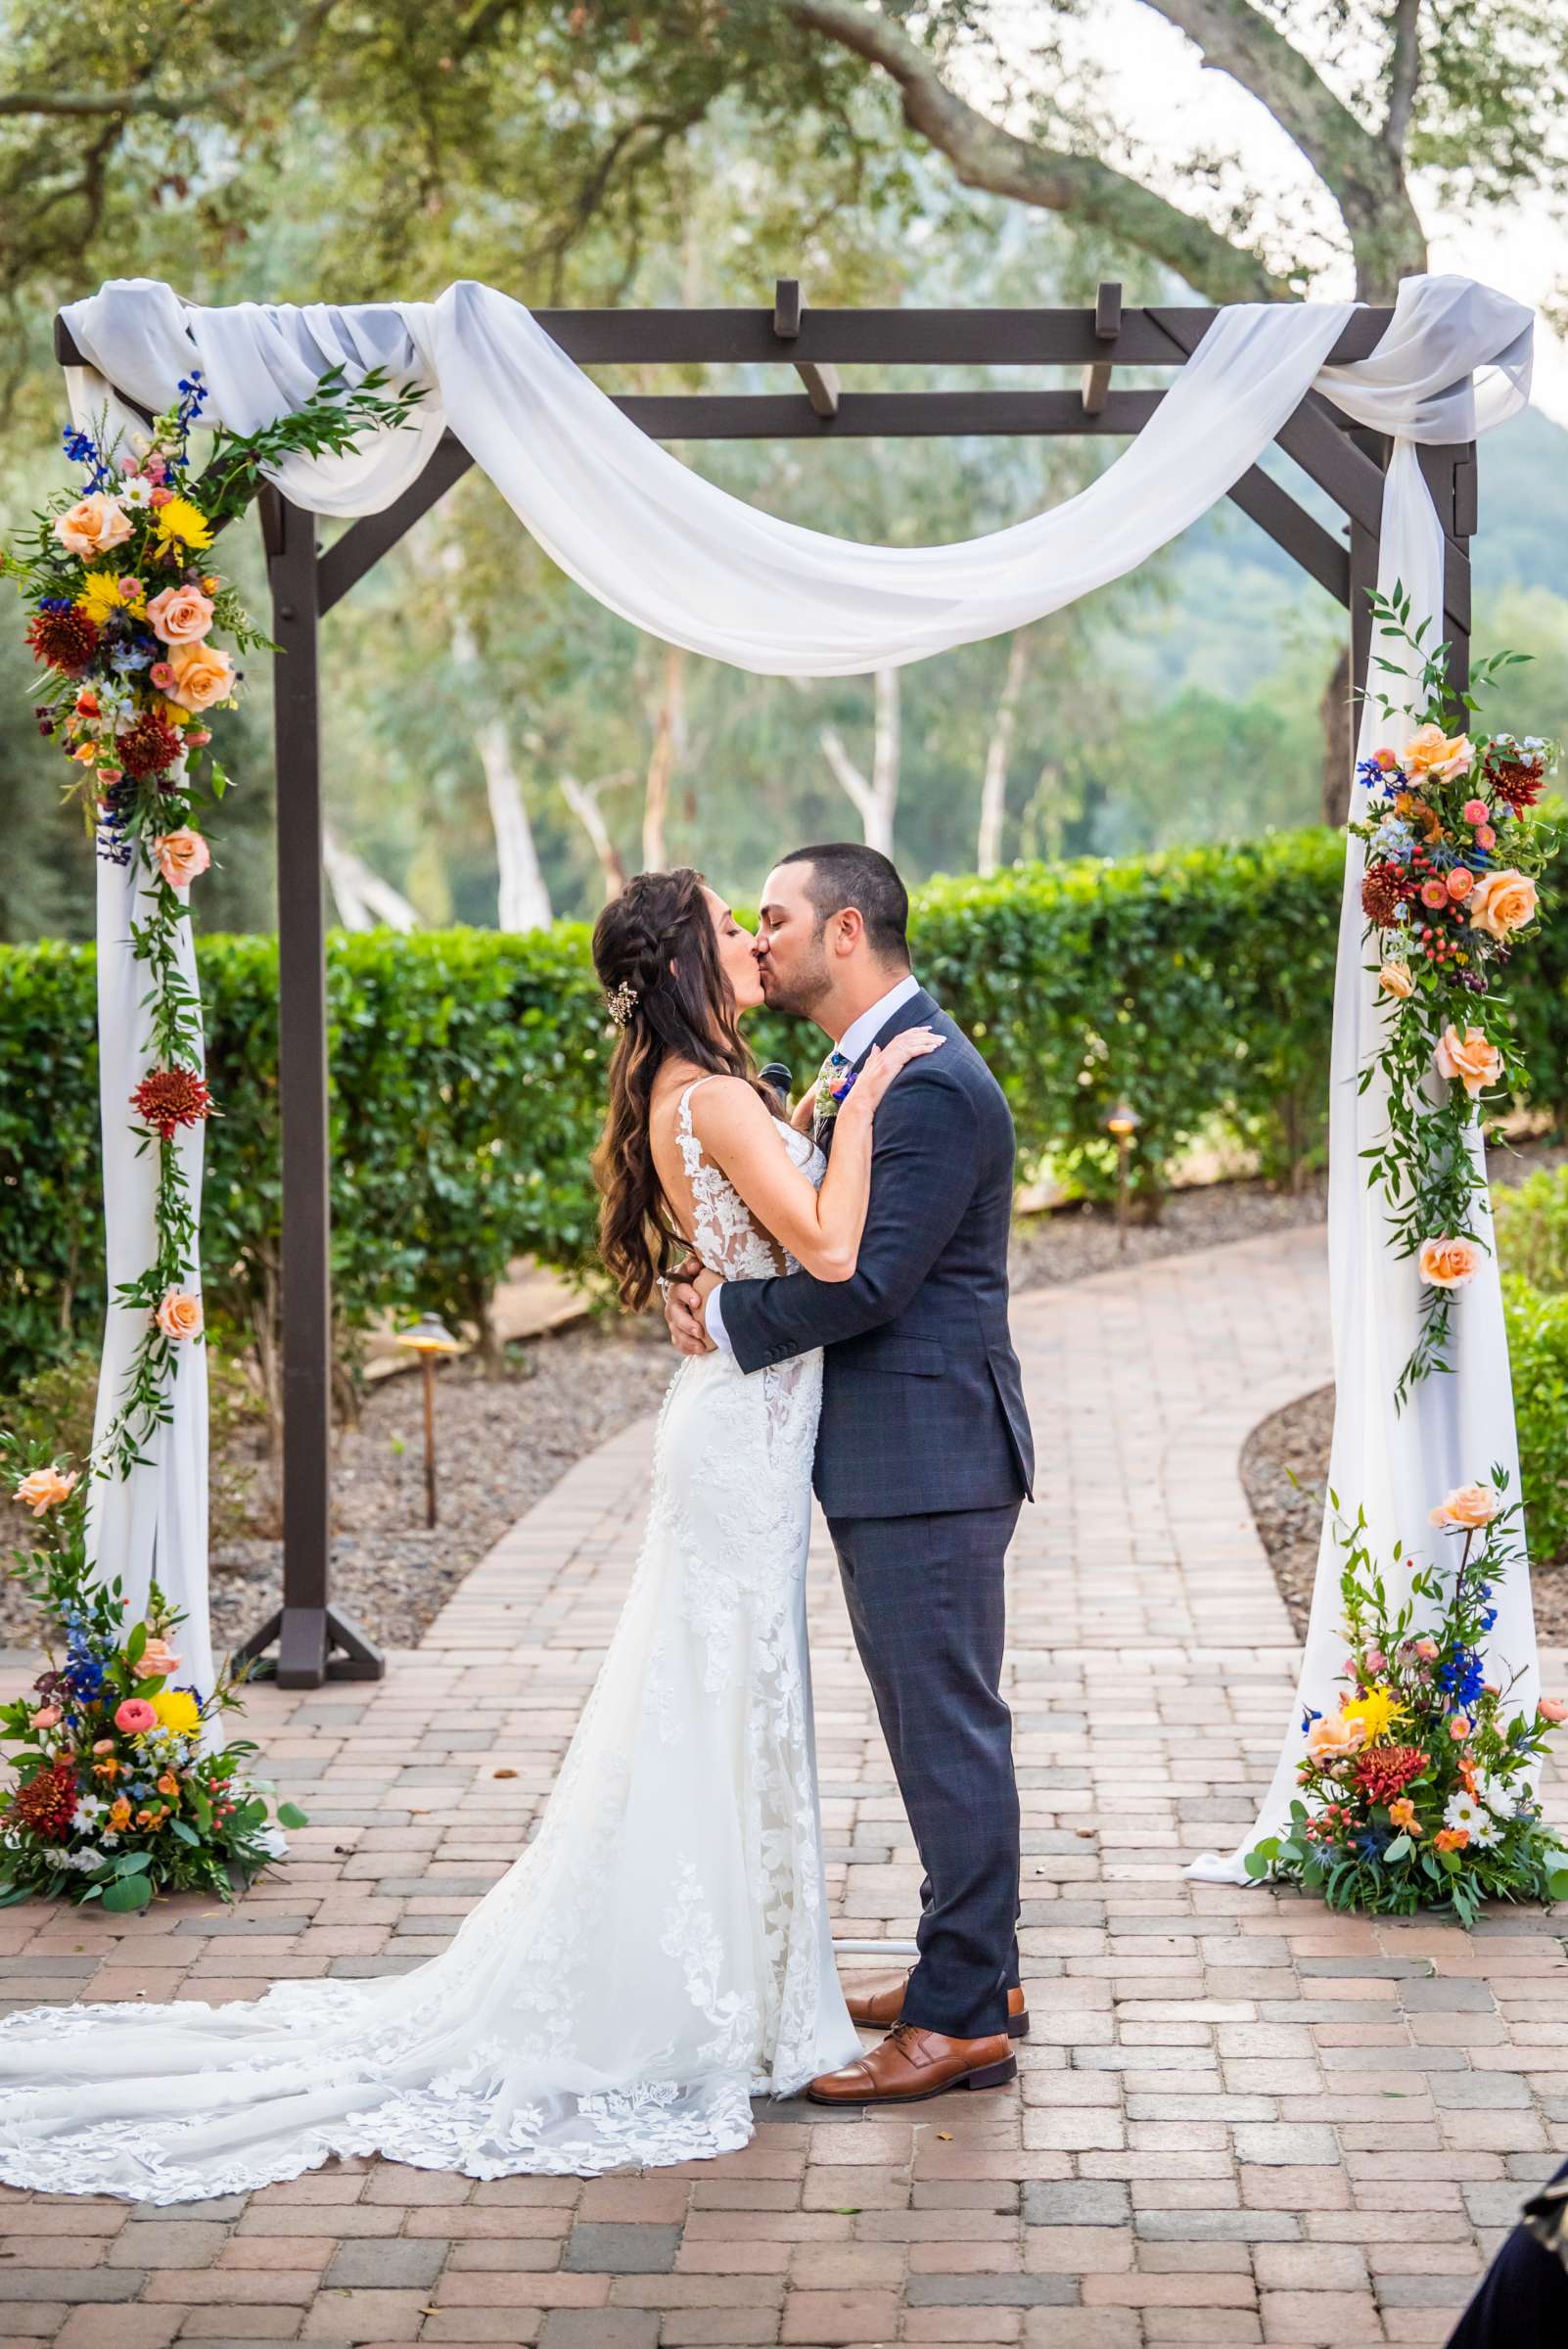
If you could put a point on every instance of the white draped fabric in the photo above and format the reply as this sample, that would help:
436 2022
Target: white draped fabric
689 563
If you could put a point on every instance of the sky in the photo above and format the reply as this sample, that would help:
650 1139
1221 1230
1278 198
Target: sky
1169 104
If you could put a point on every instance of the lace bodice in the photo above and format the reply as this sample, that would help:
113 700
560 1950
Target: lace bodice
724 1233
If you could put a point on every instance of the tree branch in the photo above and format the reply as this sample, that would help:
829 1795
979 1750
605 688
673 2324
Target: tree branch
1403 77
170 106
985 155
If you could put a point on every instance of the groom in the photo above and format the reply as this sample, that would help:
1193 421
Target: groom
924 1454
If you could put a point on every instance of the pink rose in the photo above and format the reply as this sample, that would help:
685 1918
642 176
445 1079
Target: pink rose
1476 811
158 1661
47 1716
1460 882
1449 1264
202 675
1552 1709
1469 1058
180 615
93 526
181 856
1503 903
43 1488
1376 1661
1469 1505
179 1315
135 1716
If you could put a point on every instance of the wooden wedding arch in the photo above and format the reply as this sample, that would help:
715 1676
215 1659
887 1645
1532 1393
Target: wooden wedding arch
314 1641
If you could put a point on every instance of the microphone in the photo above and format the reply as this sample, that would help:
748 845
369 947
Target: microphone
782 1076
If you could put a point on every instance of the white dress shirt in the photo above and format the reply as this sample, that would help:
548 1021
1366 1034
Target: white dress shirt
860 1035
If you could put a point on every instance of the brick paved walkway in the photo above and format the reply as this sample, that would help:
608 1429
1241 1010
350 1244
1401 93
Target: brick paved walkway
1239 2120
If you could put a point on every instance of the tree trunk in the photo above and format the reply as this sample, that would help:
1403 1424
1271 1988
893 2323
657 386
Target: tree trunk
583 801
362 898
998 750
875 797
522 901
669 746
1337 713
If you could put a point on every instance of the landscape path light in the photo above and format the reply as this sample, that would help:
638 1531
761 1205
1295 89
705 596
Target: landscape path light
1123 1122
428 1338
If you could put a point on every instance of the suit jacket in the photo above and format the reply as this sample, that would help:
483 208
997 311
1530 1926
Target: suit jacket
922 1401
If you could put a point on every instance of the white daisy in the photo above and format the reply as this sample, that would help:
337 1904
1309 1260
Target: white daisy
1463 1811
88 1812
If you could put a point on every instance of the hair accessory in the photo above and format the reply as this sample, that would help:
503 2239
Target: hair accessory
621 1002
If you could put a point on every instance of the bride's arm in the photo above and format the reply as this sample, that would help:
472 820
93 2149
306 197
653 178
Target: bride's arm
821 1229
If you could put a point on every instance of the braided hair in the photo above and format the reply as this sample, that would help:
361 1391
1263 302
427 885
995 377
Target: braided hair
657 956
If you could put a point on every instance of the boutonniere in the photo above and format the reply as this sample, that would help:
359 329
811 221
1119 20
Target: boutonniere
831 1094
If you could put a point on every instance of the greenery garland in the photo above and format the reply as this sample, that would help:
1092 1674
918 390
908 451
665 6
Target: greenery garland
1454 853
118 1791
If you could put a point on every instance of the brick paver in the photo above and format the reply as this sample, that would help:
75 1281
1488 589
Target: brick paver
1238 2118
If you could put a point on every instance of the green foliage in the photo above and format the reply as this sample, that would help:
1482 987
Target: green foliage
1531 1228
1538 1353
468 1074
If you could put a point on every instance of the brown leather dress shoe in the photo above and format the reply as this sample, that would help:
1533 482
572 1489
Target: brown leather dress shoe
877 2007
912 2064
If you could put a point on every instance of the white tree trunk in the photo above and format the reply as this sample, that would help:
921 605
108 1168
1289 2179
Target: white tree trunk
998 750
362 898
583 801
522 901
668 749
875 797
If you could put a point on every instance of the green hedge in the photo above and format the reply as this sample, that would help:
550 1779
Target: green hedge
468 1072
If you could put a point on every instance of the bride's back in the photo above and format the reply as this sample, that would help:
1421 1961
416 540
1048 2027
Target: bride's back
704 1208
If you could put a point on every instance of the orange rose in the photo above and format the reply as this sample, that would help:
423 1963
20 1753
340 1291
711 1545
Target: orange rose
1431 752
1449 1264
1469 1058
179 1315
181 856
1395 979
1334 1738
93 526
1469 1505
158 1661
202 675
180 615
43 1488
1503 903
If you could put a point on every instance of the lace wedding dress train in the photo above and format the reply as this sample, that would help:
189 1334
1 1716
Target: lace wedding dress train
657 1955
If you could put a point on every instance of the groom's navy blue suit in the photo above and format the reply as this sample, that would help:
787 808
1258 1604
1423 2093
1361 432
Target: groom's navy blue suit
923 1460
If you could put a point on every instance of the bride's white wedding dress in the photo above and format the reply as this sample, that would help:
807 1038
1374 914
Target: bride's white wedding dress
657 1955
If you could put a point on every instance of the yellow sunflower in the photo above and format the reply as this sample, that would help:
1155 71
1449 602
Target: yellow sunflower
180 519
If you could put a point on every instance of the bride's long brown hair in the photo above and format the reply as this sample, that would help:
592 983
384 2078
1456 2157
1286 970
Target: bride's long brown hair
656 941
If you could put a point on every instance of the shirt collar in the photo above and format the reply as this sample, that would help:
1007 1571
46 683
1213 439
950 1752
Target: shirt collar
862 1033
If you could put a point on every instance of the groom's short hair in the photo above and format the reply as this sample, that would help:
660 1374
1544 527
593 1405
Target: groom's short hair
845 872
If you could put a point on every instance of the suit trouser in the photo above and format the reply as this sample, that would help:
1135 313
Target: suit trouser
927 1604
1522 2302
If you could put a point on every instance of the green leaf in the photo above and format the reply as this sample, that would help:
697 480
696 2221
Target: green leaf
290 1815
1399 1849
127 1893
1557 1885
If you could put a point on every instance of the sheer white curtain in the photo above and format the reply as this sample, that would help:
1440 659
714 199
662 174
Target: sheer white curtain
687 562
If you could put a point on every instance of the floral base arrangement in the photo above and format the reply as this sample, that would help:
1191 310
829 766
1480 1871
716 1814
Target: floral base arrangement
121 1791
1420 1791
1454 850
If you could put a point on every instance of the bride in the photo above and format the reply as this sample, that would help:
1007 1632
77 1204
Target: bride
659 1952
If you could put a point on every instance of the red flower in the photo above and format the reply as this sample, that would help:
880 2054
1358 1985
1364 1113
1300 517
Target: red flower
65 639
1384 890
1518 777
168 1099
1384 1772
149 746
44 1806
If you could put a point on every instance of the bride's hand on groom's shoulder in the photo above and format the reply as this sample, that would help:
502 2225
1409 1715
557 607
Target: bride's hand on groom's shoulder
684 1301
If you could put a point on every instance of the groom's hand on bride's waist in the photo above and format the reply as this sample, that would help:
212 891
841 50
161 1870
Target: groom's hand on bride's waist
685 1294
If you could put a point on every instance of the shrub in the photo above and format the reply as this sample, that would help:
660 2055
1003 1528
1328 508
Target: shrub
1538 1354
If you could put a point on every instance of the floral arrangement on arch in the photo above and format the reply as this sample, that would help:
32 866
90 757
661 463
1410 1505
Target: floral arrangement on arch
125 604
122 1791
1420 1791
1455 852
